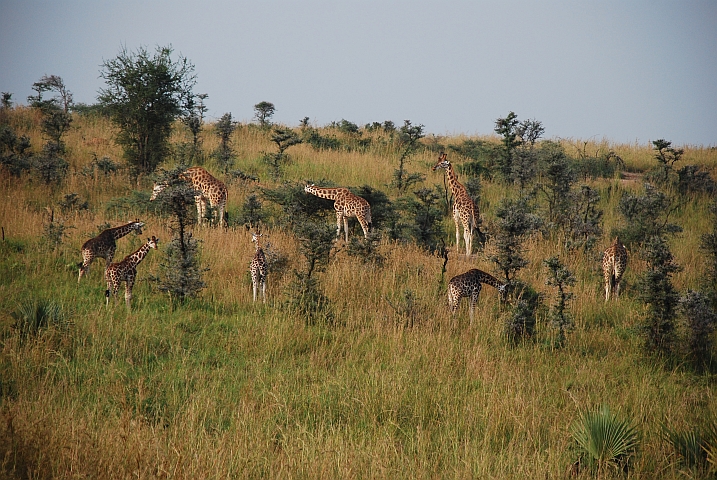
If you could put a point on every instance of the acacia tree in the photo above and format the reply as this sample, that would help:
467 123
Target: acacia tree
263 111
56 120
145 93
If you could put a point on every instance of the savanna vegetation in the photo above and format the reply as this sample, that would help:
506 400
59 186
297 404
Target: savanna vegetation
354 367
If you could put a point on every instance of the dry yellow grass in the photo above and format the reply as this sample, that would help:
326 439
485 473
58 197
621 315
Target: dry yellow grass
222 387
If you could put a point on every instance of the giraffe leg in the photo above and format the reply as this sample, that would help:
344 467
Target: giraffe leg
458 238
128 292
83 269
474 300
339 218
222 221
346 228
254 287
468 238
608 281
364 226
617 286
263 291
200 209
109 292
452 302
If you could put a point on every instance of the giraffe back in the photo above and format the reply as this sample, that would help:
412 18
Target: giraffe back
615 260
207 184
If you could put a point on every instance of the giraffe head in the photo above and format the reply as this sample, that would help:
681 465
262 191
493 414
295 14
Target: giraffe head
158 187
503 291
255 236
442 162
137 227
309 188
153 242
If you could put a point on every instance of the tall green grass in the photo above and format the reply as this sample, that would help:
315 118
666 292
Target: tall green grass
222 387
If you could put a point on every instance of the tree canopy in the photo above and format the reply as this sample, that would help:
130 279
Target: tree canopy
145 93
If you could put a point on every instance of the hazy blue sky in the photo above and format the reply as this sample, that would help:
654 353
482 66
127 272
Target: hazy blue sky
622 70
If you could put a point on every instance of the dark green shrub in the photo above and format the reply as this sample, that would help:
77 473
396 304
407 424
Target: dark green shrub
646 216
692 179
655 289
699 320
181 268
283 138
558 317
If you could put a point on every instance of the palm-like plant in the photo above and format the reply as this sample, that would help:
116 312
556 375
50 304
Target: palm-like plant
603 439
33 316
710 445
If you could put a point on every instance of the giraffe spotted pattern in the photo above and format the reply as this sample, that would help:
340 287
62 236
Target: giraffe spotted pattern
104 245
126 271
209 190
469 285
258 268
614 263
346 205
465 211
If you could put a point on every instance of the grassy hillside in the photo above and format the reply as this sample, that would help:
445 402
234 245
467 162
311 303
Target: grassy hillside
392 388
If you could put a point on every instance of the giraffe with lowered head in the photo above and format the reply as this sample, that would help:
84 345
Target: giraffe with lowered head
614 262
465 211
469 284
209 189
258 268
126 271
346 205
104 245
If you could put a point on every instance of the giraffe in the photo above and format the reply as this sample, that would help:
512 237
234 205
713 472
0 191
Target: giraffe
468 284
104 246
208 188
614 262
464 209
346 205
258 268
126 271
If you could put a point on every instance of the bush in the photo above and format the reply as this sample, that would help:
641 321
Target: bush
656 290
699 324
521 318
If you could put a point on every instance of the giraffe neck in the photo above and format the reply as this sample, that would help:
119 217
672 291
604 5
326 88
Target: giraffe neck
489 279
139 255
453 182
329 193
122 230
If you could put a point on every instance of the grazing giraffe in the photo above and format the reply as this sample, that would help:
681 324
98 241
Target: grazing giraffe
209 189
258 268
468 284
614 262
464 209
346 205
104 246
126 271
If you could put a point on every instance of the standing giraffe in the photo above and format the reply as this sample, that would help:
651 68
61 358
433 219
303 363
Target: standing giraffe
464 210
104 246
468 284
126 271
346 205
614 262
209 189
258 268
